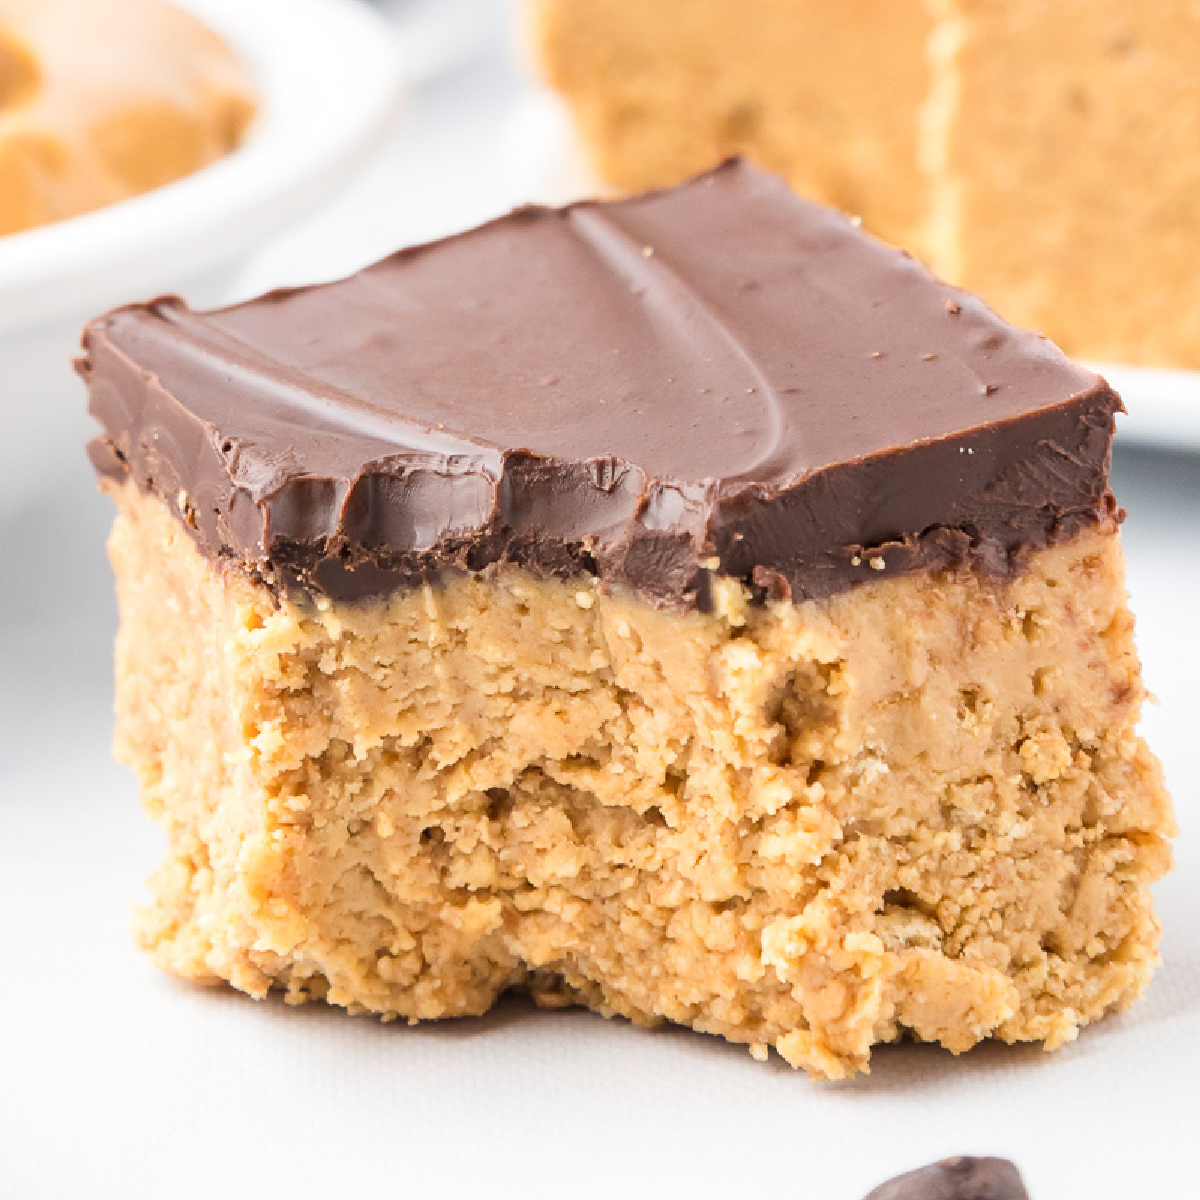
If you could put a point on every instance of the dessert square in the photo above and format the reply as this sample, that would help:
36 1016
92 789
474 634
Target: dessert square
1067 99
684 606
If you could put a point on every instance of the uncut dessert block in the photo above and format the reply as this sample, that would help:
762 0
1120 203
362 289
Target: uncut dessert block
1004 141
1102 139
685 606
825 94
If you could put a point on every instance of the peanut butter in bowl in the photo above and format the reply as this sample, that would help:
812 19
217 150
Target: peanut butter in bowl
101 102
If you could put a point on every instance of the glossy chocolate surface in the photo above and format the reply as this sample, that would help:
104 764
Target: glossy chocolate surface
719 377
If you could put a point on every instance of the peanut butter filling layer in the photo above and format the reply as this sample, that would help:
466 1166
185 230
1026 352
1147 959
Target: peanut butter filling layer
918 807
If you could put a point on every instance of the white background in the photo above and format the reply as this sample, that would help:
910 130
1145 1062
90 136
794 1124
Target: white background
118 1082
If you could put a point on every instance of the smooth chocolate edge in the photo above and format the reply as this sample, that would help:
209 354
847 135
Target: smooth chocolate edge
671 568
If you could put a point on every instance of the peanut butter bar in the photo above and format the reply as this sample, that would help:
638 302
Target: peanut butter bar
685 606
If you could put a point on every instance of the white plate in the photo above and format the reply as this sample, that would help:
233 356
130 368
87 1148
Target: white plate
548 167
1164 406
442 35
329 85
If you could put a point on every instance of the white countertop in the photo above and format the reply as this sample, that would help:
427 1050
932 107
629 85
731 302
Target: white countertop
118 1082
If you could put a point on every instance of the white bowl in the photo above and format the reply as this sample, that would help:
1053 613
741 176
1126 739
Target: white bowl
329 87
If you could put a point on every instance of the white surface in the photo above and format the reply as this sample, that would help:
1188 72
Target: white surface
544 160
328 92
116 1082
1164 406
438 36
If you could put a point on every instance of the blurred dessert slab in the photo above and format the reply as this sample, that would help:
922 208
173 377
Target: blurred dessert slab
684 606
1046 156
103 101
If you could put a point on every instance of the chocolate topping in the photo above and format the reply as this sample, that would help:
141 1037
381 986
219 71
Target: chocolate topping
956 1179
718 377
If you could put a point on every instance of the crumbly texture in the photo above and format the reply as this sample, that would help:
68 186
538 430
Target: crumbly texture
102 101
919 807
1043 155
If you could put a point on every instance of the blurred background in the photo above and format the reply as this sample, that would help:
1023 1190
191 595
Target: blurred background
449 161
116 1082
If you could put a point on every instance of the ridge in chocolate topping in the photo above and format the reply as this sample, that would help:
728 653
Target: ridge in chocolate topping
720 376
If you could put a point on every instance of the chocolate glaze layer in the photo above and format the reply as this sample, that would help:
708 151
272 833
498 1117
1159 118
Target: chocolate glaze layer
956 1179
720 377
